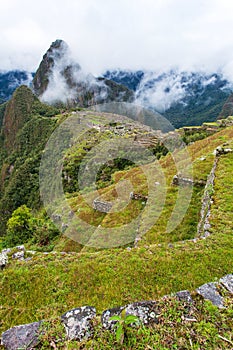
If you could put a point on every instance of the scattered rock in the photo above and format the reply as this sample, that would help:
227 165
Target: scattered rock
18 255
221 150
27 259
102 206
71 214
137 196
64 227
32 252
21 337
20 247
227 282
209 291
56 217
109 324
178 180
145 310
6 251
78 323
3 260
184 295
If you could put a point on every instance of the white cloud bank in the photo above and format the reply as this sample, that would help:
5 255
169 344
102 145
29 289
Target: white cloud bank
148 34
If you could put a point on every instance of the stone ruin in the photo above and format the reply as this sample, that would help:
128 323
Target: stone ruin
222 150
178 180
138 196
79 322
102 206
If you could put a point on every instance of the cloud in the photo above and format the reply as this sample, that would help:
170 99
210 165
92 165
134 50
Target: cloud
160 90
126 33
67 81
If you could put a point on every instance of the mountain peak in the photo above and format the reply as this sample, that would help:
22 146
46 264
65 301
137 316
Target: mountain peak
60 79
57 49
58 53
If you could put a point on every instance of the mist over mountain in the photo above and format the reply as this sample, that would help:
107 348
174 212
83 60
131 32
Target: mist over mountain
9 81
183 97
60 79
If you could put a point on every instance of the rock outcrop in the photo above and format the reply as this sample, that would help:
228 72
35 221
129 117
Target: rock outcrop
21 337
79 322
3 260
102 206
210 292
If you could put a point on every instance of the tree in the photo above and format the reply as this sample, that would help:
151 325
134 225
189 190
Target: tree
19 228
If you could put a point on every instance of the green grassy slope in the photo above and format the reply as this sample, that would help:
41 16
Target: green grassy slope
48 285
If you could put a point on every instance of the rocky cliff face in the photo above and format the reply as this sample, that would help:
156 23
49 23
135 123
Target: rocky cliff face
60 79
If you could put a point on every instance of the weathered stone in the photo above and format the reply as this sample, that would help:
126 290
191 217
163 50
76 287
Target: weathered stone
3 260
64 227
78 323
221 150
184 295
18 255
32 252
209 291
21 337
178 180
109 324
102 206
145 310
6 251
137 196
27 259
56 217
20 247
71 214
227 282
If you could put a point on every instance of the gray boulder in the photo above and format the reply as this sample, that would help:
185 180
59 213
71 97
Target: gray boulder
184 295
209 291
18 255
77 323
21 337
107 314
227 282
3 260
6 251
146 311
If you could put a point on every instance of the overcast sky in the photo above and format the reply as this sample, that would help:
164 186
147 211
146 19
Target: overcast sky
148 34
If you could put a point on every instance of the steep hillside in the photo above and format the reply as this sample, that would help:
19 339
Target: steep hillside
227 108
26 126
17 113
133 236
156 267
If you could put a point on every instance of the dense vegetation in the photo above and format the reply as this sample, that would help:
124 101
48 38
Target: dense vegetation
20 153
73 275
